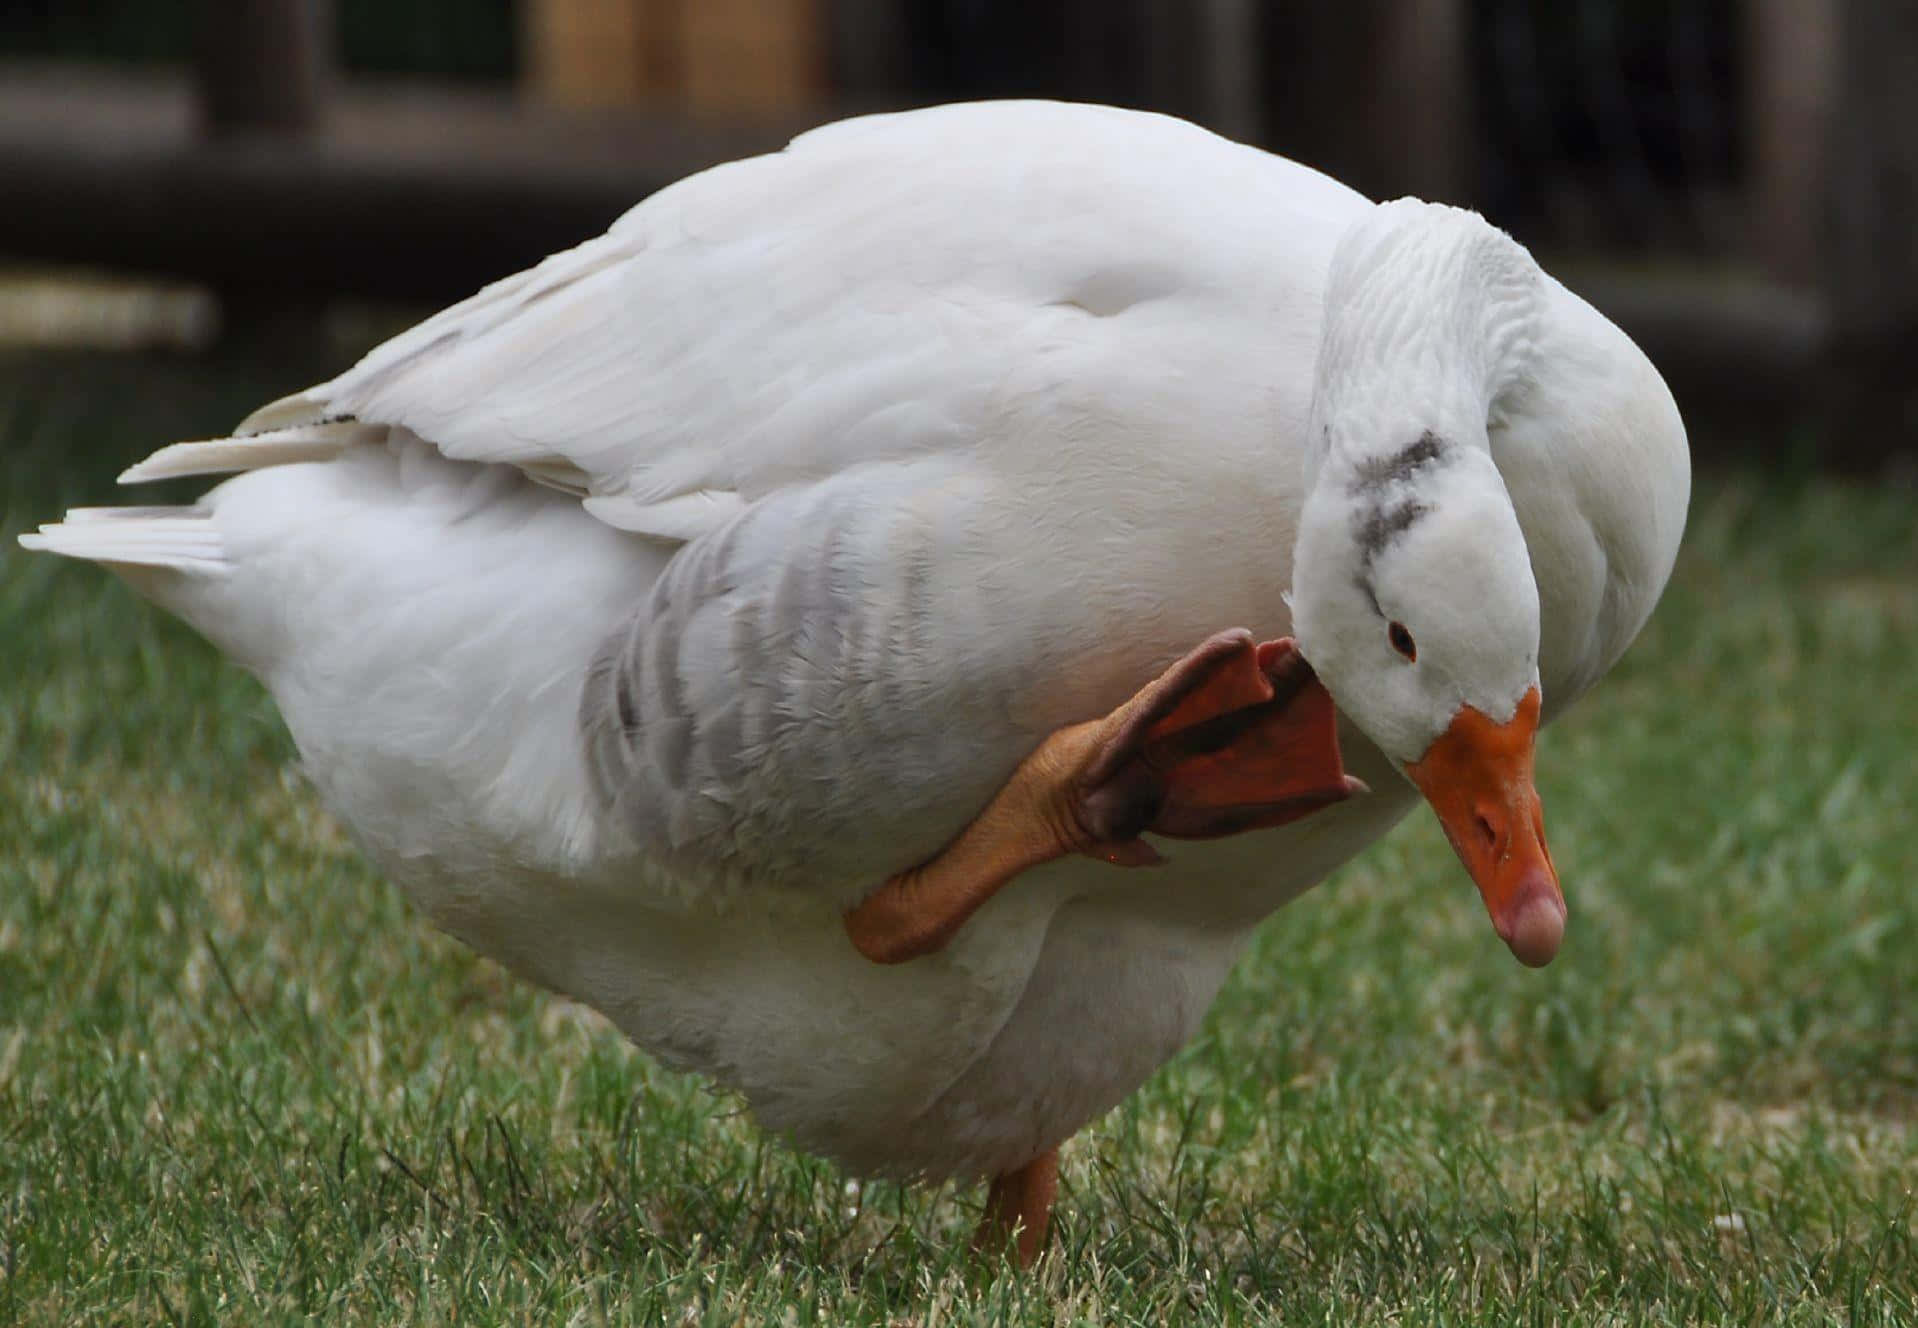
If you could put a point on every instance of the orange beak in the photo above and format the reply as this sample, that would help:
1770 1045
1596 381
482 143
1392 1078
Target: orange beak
1478 777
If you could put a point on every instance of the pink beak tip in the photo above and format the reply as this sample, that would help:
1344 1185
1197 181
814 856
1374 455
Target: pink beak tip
1534 925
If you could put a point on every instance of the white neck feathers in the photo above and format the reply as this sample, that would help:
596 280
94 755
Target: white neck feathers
1430 323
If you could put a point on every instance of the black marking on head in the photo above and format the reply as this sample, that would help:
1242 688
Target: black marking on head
1375 473
1365 586
1383 514
1380 527
1375 531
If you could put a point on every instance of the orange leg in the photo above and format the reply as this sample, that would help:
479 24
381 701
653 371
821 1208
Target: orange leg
1233 737
1019 1209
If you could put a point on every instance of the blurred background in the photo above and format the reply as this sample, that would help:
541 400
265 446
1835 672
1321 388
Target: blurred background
1734 181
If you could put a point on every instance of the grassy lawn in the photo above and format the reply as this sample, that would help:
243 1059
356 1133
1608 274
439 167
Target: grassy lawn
239 1080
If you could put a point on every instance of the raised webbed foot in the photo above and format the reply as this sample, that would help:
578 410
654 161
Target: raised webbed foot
1234 736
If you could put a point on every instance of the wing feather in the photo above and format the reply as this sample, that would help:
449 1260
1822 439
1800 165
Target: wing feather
881 291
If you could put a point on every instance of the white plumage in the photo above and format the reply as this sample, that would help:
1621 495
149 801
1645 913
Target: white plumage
644 611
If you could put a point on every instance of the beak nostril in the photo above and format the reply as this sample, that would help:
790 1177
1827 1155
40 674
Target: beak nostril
1487 831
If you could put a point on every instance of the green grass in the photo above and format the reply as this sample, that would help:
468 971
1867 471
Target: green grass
240 1080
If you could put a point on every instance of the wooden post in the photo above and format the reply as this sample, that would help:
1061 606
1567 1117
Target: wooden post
1374 92
1420 100
1231 93
752 55
1202 59
717 55
1788 109
1171 56
262 64
1871 233
591 53
868 45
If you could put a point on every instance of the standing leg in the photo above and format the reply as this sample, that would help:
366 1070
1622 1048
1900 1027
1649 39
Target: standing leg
1019 1209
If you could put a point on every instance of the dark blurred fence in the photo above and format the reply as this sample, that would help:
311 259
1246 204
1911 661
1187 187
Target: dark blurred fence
461 39
1732 179
1613 126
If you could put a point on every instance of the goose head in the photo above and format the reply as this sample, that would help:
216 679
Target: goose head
1413 593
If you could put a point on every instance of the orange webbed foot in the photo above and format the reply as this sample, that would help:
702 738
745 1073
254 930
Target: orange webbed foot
1233 737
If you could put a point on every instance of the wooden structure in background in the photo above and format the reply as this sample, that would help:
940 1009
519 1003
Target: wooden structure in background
1419 99
397 193
1202 60
592 53
1833 115
1870 266
260 177
744 56
1793 58
263 65
1375 92
866 48
752 55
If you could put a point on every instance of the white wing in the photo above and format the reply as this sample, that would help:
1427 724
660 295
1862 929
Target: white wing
871 293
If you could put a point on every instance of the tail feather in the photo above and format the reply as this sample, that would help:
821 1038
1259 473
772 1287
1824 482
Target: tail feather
276 447
183 538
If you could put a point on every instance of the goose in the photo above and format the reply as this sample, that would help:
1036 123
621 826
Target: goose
791 621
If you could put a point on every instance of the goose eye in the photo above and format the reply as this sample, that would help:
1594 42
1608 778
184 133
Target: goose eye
1402 640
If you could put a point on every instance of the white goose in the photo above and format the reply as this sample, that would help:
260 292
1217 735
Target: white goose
647 610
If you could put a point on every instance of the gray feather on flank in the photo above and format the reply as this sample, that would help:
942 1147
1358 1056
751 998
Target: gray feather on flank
669 744
719 743
604 723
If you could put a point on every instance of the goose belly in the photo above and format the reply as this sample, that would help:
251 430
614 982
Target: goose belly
1054 1003
1044 1013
